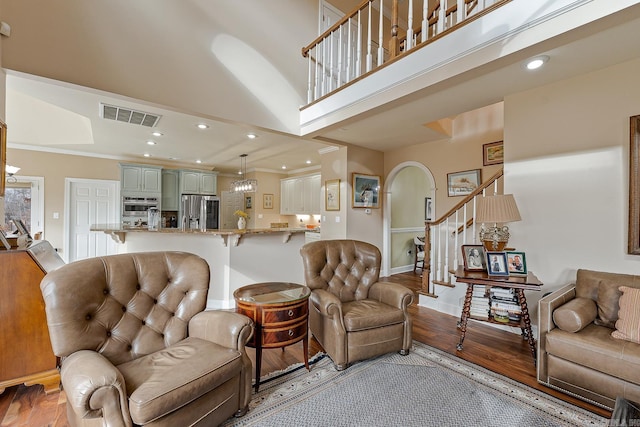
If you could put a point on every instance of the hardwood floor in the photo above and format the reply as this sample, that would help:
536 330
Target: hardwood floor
494 349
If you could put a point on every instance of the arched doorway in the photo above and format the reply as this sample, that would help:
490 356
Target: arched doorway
405 190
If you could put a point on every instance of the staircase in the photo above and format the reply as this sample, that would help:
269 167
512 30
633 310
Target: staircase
445 236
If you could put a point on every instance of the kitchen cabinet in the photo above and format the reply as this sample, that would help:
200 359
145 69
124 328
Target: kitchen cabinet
300 195
198 182
170 190
140 179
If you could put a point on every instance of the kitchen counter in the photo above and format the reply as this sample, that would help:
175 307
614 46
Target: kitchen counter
236 258
118 232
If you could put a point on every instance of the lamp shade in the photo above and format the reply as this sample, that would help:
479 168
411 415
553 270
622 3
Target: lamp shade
497 209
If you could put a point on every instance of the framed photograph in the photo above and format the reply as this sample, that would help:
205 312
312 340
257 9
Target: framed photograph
497 263
428 209
366 191
267 201
22 229
473 257
463 183
493 153
516 263
3 155
633 247
247 202
332 195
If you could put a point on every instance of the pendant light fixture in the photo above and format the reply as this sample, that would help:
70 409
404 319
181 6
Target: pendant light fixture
244 185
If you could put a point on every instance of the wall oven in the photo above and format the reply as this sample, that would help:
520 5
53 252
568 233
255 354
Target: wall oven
136 208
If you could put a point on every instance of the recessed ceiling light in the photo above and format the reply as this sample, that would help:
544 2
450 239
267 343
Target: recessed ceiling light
202 126
173 158
537 62
252 136
284 167
308 162
156 133
151 142
198 161
147 155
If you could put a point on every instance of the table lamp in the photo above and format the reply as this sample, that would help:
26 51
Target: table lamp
496 209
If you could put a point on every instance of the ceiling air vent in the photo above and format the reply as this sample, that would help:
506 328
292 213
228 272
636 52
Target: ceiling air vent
127 115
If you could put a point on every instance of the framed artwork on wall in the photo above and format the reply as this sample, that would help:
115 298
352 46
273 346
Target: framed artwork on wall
248 202
493 153
463 183
267 201
332 195
366 191
634 187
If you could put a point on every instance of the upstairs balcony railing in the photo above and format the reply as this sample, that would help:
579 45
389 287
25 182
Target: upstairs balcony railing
377 32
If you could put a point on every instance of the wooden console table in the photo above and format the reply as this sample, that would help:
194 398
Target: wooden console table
280 312
519 283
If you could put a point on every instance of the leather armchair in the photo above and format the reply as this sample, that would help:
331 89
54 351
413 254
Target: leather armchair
352 314
138 348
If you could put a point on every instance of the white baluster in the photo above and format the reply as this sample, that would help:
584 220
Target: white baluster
455 240
432 238
446 252
317 89
409 42
442 14
340 56
380 35
473 226
323 89
462 11
359 48
439 272
331 55
425 21
349 52
369 56
309 79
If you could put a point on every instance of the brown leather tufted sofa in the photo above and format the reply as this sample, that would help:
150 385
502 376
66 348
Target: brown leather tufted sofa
137 347
576 352
352 314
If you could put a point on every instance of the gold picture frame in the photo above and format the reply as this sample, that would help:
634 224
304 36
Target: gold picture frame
267 201
493 153
332 195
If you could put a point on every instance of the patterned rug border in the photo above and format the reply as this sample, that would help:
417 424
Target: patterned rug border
280 390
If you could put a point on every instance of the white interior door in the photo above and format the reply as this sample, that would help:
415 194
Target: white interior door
230 202
91 202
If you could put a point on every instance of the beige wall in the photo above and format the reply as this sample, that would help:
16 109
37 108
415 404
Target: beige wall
334 166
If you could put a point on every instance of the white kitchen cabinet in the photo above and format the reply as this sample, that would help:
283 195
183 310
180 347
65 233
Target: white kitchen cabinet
198 182
140 179
170 190
300 195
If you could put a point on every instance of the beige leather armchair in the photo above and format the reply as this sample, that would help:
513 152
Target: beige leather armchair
137 347
351 313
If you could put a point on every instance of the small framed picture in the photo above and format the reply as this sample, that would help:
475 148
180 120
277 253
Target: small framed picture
247 202
332 195
493 153
473 257
22 229
428 209
516 263
463 183
267 201
497 263
366 191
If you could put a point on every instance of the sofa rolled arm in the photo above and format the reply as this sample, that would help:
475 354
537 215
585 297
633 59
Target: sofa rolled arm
549 303
391 294
95 388
226 328
327 303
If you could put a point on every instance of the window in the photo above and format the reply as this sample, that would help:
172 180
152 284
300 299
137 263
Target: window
23 200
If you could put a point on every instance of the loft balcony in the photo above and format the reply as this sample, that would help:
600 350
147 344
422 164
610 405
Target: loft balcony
392 53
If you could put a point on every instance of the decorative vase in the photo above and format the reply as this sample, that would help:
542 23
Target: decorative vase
242 223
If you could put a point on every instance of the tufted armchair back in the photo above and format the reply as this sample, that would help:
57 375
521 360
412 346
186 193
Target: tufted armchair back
345 268
124 306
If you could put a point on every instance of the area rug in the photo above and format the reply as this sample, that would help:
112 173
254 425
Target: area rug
426 388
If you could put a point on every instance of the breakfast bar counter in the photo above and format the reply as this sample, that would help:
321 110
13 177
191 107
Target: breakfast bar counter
236 257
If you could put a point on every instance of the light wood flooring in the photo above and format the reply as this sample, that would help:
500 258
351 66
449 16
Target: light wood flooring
499 351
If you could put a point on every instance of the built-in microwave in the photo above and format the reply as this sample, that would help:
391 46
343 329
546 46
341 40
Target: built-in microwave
137 207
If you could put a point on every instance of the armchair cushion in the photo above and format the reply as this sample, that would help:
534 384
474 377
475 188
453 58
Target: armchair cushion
166 380
575 315
368 314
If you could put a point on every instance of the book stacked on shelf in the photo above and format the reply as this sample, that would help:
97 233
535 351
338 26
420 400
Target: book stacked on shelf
504 305
480 303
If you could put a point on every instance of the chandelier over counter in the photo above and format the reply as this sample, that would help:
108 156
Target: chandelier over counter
243 185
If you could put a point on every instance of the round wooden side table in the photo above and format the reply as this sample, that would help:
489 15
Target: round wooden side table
280 312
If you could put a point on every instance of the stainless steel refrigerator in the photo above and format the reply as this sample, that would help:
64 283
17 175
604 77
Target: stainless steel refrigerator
200 212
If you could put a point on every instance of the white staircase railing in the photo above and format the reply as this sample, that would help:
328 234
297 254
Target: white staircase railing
445 236
355 45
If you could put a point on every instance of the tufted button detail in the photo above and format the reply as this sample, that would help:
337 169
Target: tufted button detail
144 323
162 335
129 347
87 317
108 333
105 291
155 301
138 287
124 309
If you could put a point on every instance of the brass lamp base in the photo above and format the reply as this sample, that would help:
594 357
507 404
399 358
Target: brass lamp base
494 238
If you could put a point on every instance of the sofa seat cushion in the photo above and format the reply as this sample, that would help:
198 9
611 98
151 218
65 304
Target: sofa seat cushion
595 348
161 382
367 313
